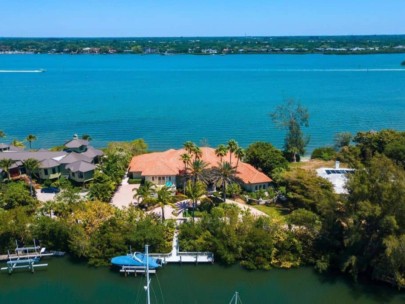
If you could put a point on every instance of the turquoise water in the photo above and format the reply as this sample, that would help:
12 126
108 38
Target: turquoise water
170 99
67 282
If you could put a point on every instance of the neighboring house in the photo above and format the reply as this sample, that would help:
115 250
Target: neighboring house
166 167
337 176
81 171
76 162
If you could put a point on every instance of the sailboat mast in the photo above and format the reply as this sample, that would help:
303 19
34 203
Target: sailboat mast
147 275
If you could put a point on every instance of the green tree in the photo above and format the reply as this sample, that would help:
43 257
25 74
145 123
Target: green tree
265 157
2 134
221 151
15 195
291 116
87 137
239 154
195 191
395 150
198 170
31 165
17 143
165 197
232 147
30 138
224 174
144 192
102 187
342 139
324 153
6 164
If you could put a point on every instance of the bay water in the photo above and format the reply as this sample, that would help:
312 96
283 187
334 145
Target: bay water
168 100
64 281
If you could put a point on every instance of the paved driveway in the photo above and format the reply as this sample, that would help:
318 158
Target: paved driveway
123 197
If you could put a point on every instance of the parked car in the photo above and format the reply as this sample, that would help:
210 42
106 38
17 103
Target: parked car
50 190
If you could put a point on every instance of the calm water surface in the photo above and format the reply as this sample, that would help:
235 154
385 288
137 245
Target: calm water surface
170 99
67 282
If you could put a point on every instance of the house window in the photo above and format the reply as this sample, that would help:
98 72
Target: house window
153 178
81 175
53 170
46 171
170 178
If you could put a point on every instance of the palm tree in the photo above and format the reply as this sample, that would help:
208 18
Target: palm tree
239 154
2 134
31 165
198 170
30 138
6 164
224 174
197 152
189 146
17 143
86 137
185 158
165 197
194 191
232 147
145 191
221 151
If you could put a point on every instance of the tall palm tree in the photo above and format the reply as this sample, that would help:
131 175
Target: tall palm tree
165 197
31 165
145 191
194 191
232 147
6 164
239 154
189 146
30 138
221 151
2 134
185 158
224 174
197 152
198 170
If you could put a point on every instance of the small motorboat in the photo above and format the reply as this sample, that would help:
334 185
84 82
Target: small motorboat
136 259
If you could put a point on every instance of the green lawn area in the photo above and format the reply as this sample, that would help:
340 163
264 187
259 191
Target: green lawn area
273 212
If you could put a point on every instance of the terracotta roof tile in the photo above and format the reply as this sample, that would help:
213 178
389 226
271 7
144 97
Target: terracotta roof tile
169 163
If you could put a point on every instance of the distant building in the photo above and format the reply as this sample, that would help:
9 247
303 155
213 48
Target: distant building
337 176
77 162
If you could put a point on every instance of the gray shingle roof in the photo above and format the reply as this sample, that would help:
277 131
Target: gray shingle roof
74 157
80 166
76 143
92 152
38 155
48 163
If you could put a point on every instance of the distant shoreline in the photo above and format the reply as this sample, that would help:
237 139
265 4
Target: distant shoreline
328 45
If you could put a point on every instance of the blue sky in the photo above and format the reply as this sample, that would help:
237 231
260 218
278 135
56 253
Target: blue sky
123 18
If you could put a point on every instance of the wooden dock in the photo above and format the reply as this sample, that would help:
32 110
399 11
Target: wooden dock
176 256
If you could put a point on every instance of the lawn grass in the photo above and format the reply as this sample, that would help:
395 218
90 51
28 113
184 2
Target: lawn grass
271 211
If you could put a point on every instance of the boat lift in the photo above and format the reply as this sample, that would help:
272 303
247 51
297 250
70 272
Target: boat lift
25 258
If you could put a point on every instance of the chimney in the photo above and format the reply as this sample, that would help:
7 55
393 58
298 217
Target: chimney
75 136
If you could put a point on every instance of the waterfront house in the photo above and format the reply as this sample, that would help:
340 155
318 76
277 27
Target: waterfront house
76 162
167 167
81 171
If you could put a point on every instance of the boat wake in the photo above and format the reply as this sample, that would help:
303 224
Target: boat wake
22 71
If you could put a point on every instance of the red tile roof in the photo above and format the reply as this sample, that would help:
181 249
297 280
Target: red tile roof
169 163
